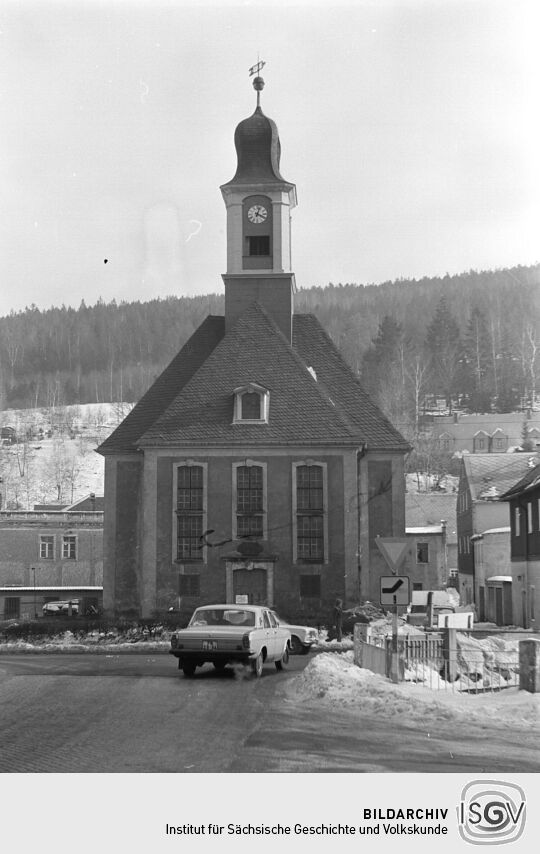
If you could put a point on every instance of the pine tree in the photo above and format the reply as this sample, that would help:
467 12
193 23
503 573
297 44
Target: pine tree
477 382
444 353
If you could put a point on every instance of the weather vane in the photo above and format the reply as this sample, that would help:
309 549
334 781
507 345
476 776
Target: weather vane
258 83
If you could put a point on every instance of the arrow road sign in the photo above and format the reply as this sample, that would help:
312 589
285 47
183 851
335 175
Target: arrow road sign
394 587
395 590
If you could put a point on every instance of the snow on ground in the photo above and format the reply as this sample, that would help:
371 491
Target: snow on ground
55 459
336 681
332 678
422 482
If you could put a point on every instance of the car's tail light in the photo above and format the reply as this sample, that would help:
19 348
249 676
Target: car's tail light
174 642
246 641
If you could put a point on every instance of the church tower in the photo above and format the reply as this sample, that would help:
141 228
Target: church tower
259 203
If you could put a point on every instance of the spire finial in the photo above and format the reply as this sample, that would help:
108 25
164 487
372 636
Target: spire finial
258 83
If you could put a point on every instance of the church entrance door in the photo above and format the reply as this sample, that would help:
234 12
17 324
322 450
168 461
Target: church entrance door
250 583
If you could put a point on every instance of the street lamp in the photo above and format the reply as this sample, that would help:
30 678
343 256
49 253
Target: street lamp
35 605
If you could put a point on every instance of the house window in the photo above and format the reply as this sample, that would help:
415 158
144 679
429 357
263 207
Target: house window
46 548
310 586
422 553
531 595
310 513
189 512
517 522
69 547
251 404
417 585
258 244
499 443
480 444
12 607
249 501
189 585
529 517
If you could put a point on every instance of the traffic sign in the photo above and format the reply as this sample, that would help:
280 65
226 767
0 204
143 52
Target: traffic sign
395 590
393 550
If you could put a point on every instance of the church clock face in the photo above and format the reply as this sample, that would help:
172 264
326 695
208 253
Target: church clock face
257 213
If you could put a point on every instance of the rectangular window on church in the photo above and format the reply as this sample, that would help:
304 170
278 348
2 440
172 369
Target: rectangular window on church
310 586
189 513
309 513
258 244
249 501
189 585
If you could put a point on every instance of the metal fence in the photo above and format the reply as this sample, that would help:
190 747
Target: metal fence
470 666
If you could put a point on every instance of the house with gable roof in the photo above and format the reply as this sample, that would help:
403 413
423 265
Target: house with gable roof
430 528
493 433
483 531
255 468
524 500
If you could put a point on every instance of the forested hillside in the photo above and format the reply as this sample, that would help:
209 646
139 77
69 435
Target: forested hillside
471 338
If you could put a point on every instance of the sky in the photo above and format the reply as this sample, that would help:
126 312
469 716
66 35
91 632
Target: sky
408 126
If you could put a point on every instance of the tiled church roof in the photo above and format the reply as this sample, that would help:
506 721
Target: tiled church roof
165 388
191 403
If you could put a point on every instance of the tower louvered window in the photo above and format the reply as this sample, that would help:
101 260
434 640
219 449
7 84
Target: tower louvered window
189 511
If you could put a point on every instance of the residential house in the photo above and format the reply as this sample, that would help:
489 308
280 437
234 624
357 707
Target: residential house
482 434
524 500
435 510
484 478
49 556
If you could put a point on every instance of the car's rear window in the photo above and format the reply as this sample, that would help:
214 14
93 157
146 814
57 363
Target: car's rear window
222 617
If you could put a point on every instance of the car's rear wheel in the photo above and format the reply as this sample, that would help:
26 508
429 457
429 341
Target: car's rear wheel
189 669
283 662
257 665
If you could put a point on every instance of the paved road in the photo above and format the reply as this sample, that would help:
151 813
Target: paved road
135 713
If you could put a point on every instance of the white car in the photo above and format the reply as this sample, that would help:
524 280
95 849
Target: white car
302 637
60 608
224 634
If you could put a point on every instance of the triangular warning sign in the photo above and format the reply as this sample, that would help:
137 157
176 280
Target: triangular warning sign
393 549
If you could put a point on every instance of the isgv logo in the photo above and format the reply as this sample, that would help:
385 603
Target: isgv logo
491 812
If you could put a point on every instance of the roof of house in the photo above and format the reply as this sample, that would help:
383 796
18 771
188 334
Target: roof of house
427 529
425 509
529 482
490 476
192 401
89 502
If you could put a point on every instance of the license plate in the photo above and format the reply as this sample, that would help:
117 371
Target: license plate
209 644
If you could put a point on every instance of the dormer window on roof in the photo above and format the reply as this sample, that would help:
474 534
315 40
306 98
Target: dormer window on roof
251 404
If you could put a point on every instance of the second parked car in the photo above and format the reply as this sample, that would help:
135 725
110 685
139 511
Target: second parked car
302 637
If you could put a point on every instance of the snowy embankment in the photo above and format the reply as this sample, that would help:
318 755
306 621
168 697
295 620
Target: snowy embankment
336 681
131 640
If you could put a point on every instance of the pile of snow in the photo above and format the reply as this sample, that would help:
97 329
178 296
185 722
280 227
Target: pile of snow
337 681
424 482
94 641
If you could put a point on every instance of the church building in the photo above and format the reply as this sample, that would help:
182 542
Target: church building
255 469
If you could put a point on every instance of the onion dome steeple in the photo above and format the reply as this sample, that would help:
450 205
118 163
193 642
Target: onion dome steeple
258 148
